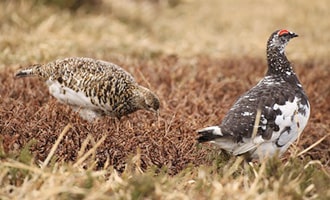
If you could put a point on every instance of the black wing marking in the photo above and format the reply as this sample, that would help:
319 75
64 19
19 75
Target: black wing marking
240 119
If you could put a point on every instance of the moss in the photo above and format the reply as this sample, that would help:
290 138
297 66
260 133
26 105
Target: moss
142 187
25 155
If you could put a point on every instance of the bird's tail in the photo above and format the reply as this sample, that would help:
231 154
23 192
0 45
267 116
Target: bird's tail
209 133
31 71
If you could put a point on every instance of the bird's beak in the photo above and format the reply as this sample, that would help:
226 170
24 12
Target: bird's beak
154 111
157 113
157 117
293 34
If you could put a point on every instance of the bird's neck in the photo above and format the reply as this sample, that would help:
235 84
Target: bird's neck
278 62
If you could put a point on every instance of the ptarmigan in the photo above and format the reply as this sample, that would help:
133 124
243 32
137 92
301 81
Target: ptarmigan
94 87
278 102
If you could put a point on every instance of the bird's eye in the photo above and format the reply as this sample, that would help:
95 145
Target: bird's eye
147 104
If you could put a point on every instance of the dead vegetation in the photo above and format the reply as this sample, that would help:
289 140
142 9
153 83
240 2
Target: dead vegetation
194 93
197 62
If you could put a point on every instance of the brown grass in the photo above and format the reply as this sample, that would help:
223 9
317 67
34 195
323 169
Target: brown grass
198 56
193 95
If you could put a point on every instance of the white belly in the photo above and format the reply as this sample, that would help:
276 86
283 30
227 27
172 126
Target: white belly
291 123
69 96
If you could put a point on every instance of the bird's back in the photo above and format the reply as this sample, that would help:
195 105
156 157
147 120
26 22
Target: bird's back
85 82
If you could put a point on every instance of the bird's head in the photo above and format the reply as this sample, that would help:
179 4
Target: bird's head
148 100
280 38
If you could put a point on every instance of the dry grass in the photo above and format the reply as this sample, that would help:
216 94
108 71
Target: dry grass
157 157
198 58
215 28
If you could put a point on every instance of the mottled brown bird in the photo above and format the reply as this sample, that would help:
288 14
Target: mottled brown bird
94 88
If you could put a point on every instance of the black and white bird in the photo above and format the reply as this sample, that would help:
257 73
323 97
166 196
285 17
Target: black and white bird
269 117
94 87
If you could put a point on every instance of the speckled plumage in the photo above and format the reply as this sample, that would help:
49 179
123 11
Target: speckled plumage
94 87
283 107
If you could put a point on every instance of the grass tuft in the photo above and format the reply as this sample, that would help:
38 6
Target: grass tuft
25 155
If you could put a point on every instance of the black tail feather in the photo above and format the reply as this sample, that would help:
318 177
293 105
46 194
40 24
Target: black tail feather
207 136
26 72
22 74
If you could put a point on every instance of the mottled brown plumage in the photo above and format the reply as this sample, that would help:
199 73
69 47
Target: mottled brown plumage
94 87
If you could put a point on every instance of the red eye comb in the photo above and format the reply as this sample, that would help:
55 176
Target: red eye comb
283 32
